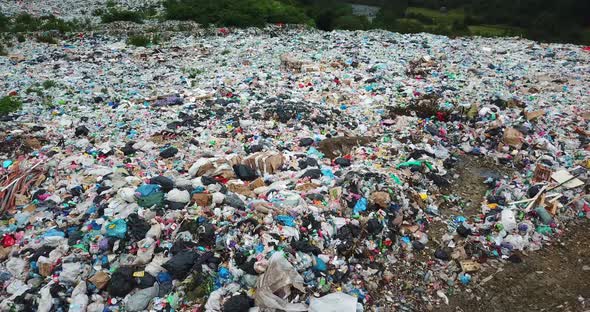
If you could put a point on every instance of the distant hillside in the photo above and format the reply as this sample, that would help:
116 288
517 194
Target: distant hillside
543 20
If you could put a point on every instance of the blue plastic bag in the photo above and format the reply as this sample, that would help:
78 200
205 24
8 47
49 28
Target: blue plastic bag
320 265
361 205
286 220
148 189
117 228
54 232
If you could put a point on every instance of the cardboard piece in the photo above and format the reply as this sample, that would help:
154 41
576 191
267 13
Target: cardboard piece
534 114
469 266
513 137
568 180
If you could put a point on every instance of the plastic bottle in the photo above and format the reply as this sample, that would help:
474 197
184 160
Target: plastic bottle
544 215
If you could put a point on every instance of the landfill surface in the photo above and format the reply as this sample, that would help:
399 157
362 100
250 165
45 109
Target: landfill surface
285 169
72 9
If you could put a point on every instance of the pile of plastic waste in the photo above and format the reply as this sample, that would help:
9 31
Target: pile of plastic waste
283 169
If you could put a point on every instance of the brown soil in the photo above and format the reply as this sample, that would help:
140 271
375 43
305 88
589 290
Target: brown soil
556 278
551 279
472 172
19 145
340 146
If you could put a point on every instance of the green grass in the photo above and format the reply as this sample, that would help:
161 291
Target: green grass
239 13
442 23
48 84
114 15
439 17
495 30
4 22
35 88
27 23
408 20
586 36
192 72
143 40
9 104
46 38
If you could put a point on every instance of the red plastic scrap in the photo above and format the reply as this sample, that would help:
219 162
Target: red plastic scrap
8 240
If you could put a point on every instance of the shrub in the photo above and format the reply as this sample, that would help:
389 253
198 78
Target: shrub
114 15
472 20
48 84
46 38
240 13
27 23
4 22
142 40
34 89
420 17
53 23
459 26
325 21
351 22
409 26
386 19
441 30
9 104
192 73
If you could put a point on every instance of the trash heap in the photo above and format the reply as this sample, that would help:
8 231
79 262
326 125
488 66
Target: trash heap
283 169
72 9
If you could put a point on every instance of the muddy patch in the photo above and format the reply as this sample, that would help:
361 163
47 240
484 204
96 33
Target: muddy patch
338 146
556 278
467 189
12 146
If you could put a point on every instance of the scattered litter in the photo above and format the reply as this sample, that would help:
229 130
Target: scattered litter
283 168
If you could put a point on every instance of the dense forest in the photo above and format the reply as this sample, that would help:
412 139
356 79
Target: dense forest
543 20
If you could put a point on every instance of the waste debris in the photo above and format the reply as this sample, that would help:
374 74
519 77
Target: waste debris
286 169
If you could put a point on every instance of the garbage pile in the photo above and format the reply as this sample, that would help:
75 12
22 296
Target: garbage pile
205 174
72 9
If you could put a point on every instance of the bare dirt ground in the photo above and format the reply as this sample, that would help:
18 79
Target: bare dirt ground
556 278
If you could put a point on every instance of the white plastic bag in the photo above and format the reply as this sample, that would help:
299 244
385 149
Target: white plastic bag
141 299
145 252
275 284
16 267
178 196
335 302
127 194
508 220
79 298
46 301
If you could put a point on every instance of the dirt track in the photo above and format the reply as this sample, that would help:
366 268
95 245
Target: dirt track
556 278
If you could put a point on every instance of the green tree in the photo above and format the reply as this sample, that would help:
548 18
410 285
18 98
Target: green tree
351 22
409 26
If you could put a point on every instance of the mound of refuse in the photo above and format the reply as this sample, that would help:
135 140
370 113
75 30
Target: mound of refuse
283 169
